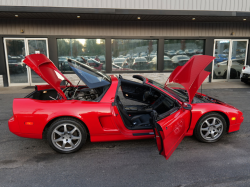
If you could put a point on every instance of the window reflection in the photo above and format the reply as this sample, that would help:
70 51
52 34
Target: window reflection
87 51
178 52
15 56
134 54
222 53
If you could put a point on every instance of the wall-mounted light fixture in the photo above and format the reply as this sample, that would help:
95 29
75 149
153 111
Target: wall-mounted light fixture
138 17
22 31
193 18
16 16
78 16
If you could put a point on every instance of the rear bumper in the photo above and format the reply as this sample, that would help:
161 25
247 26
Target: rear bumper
15 129
13 126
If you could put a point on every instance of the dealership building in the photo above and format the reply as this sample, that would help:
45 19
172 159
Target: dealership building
148 37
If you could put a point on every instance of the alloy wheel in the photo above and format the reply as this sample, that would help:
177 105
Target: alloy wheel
211 128
66 137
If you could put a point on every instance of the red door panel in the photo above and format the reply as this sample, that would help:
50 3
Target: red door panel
170 131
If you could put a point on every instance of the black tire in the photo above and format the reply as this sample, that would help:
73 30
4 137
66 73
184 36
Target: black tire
215 76
214 132
233 74
66 141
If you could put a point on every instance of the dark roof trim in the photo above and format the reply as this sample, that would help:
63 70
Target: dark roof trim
118 11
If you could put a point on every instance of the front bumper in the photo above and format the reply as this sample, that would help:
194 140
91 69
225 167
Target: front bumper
236 126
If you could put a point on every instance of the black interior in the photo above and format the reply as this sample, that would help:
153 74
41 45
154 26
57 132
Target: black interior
134 121
132 90
148 99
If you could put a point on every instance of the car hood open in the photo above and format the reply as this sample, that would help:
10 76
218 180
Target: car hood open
90 76
192 74
45 68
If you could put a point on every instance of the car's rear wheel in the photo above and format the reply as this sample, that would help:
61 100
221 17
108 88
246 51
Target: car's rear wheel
210 128
66 135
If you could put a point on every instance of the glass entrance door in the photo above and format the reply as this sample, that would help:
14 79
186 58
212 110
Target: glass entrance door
15 51
238 58
36 45
230 59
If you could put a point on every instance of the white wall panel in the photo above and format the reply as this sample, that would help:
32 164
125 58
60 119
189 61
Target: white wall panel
213 5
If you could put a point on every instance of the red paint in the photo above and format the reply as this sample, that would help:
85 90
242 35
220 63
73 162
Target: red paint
103 119
192 74
45 68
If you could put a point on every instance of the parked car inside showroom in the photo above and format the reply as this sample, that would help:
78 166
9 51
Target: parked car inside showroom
119 68
220 69
180 52
140 63
16 64
122 62
220 58
66 114
179 60
95 64
190 52
245 74
171 53
167 63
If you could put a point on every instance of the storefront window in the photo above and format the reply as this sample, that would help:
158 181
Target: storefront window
134 55
178 52
87 51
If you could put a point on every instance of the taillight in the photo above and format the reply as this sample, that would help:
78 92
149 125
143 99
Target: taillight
244 67
218 65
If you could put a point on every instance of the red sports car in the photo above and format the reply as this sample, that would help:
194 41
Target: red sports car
67 114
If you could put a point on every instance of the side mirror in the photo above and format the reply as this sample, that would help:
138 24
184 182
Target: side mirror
187 106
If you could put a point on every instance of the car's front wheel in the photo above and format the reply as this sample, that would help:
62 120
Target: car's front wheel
210 128
66 135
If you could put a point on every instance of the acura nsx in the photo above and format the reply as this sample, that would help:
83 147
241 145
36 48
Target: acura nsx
66 114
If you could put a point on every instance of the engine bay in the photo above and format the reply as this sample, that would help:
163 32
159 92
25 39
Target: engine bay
82 93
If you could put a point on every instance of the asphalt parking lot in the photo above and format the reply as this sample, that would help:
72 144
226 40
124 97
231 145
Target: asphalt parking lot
30 162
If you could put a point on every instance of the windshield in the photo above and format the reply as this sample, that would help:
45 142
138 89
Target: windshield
178 95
